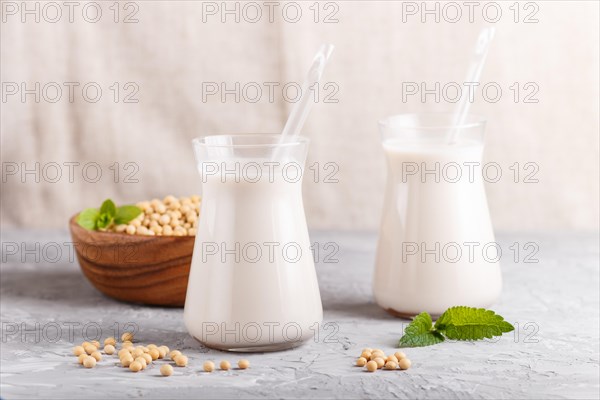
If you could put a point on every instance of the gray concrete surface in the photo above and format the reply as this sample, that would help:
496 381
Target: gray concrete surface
553 353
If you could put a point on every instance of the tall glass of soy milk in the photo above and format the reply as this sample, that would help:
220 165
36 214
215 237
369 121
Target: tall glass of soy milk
436 244
252 283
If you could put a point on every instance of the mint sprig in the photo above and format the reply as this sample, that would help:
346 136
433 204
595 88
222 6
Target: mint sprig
107 215
458 323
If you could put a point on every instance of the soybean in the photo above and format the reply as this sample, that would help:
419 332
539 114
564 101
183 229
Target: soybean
209 366
89 362
225 365
166 370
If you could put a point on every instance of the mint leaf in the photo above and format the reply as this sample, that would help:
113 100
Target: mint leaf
125 214
420 332
108 208
88 217
104 220
468 323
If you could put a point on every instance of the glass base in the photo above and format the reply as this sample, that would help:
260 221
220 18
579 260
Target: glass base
252 348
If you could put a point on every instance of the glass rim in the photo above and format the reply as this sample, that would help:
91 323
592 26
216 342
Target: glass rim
295 141
473 121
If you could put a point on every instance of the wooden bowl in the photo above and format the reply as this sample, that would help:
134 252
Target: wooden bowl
149 270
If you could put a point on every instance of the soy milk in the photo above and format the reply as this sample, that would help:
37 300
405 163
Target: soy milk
436 244
252 283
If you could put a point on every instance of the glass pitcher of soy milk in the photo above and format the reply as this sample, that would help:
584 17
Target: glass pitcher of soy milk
252 283
436 245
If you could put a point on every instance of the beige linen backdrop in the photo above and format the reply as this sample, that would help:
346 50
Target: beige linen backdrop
170 55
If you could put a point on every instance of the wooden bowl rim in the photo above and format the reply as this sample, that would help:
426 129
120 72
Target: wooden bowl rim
100 235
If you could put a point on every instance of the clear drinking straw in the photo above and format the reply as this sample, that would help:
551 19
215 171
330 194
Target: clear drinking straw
473 75
300 110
